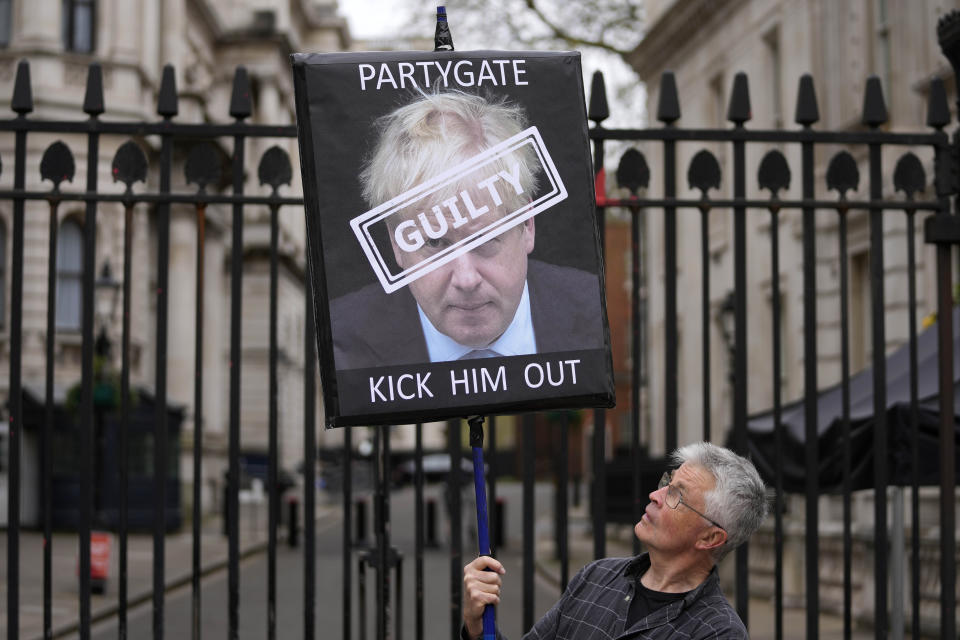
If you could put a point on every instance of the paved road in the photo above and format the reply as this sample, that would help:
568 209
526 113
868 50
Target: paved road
329 616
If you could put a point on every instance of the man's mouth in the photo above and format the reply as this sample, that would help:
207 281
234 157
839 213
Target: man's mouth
469 306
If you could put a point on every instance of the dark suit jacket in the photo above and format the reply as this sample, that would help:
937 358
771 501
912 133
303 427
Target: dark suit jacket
372 328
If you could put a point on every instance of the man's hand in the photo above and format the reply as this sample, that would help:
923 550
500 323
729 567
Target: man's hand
481 586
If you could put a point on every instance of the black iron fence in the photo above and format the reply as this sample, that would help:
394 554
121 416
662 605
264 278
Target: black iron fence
774 175
202 167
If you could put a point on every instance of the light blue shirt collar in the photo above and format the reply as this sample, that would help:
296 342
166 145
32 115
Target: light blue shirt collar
517 340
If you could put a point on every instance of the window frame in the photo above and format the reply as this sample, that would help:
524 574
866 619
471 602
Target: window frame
69 25
71 274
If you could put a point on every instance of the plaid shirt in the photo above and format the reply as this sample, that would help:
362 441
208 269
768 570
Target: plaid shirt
595 605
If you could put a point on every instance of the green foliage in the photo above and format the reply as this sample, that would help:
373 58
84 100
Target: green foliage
106 389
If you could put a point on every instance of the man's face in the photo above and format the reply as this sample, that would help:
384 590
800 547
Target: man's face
677 530
473 298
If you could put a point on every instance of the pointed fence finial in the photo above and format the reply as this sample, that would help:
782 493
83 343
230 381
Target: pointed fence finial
93 100
22 101
807 111
240 102
739 110
599 110
167 100
938 111
668 105
874 107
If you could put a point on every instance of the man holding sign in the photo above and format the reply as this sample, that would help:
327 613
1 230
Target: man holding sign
453 184
708 506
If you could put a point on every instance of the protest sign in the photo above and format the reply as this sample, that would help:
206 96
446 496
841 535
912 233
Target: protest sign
452 245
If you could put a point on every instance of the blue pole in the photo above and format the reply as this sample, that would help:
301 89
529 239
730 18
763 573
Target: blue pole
483 531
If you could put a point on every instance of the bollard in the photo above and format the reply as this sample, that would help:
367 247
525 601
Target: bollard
361 510
499 540
431 524
293 521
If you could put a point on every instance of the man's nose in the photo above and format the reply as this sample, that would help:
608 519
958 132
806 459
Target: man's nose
465 273
657 495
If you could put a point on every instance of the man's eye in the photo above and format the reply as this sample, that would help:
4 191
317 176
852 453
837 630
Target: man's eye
436 243
489 248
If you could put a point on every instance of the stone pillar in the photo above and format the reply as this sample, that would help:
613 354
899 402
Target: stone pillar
38 24
173 27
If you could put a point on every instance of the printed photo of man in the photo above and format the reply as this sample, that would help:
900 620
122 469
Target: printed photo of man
494 300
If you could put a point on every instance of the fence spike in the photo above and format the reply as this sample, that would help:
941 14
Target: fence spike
57 164
774 173
203 165
843 174
633 172
129 164
93 100
22 101
807 111
704 172
240 103
874 107
909 176
274 168
938 111
599 110
668 106
739 111
167 100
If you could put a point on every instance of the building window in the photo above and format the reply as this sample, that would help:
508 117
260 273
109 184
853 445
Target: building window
6 15
78 20
69 275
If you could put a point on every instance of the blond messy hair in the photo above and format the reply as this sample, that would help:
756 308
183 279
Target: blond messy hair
436 132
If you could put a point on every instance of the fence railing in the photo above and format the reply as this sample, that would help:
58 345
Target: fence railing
634 175
203 167
131 166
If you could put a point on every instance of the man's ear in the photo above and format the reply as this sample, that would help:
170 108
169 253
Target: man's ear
528 234
711 539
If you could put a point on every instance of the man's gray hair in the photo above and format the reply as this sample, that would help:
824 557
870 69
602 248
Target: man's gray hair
436 132
739 499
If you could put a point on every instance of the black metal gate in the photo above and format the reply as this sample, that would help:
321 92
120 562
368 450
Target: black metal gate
203 160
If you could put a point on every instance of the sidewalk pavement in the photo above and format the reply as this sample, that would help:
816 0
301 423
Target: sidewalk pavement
178 561
620 544
178 556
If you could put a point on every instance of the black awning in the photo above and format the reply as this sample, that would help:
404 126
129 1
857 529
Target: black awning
760 433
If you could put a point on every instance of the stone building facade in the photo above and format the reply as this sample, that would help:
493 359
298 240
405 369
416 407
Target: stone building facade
774 42
205 40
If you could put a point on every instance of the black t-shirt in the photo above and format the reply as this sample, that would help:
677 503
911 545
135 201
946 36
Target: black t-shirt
646 601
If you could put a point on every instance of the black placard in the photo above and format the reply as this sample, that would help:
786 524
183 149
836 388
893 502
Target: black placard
452 244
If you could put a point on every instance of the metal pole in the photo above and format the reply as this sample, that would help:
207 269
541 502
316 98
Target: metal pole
483 533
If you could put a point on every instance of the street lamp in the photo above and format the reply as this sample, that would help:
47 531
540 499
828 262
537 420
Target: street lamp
107 294
727 318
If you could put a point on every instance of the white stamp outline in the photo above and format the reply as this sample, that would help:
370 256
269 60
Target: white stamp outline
392 282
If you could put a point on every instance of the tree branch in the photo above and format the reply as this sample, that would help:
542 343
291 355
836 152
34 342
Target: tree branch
565 35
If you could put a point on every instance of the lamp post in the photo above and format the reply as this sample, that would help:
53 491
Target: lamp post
106 292
727 319
107 295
